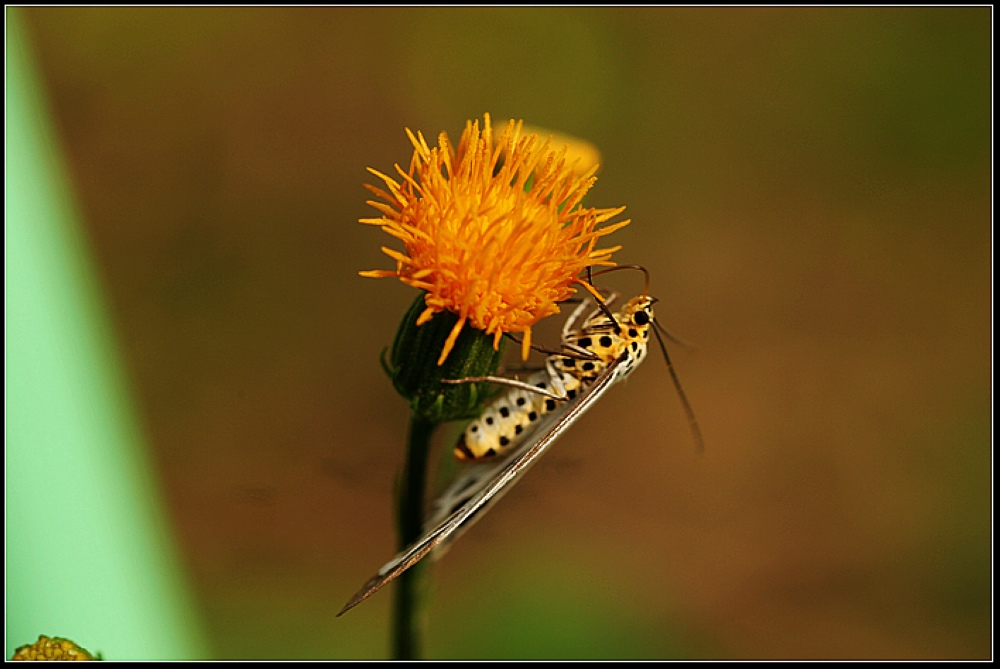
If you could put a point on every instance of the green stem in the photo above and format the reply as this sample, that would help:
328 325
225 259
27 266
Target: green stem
410 517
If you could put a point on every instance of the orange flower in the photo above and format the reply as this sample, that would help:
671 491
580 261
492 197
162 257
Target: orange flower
494 231
54 648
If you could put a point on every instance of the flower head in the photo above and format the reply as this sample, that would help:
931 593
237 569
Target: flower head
54 648
493 230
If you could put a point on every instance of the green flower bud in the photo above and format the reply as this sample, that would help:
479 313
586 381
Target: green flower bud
414 370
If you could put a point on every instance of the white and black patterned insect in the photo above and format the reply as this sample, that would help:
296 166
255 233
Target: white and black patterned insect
526 419
589 350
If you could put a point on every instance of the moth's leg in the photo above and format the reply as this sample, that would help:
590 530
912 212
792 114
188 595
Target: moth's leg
513 383
556 380
567 350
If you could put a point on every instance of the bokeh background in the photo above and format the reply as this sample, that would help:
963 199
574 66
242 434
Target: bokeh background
810 189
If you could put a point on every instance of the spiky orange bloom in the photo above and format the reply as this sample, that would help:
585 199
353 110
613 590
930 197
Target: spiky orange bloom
494 231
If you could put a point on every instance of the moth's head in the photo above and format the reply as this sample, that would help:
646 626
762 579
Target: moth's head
638 312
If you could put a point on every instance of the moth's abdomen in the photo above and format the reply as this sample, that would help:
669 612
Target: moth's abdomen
506 422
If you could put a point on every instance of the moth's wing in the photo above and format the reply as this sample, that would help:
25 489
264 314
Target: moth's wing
489 490
479 476
470 482
474 477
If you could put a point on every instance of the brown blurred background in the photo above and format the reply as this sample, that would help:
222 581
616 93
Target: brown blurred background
810 189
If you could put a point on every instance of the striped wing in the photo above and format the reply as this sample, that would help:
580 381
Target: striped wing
490 483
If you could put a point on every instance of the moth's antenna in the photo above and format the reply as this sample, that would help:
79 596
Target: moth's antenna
672 337
692 420
602 305
645 290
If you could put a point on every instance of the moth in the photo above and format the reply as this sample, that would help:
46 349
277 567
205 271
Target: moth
525 420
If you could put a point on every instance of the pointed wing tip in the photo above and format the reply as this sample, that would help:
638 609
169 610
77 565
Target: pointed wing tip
354 601
364 593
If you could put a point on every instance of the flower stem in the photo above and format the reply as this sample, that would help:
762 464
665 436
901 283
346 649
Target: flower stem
406 630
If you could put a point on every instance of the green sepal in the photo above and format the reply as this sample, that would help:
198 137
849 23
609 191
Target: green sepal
414 371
